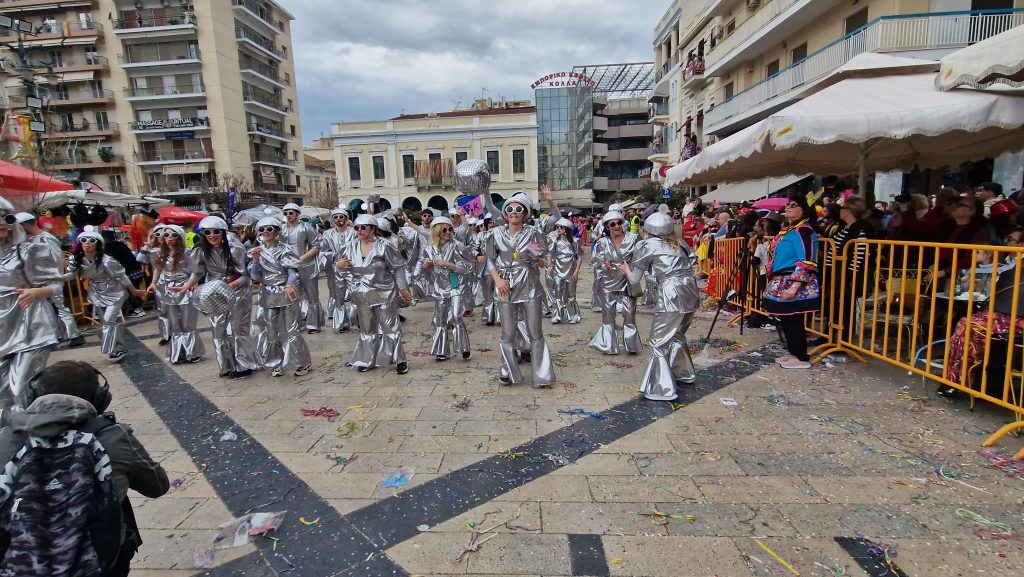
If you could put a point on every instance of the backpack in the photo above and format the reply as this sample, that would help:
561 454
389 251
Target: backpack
59 513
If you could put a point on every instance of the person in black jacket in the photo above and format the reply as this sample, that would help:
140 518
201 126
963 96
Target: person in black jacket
120 252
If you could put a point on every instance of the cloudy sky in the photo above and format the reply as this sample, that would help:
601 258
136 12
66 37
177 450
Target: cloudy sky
366 60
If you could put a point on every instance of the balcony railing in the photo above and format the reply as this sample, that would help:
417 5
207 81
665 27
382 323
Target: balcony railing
258 39
258 11
265 100
435 172
153 21
171 155
263 70
178 89
275 159
659 108
267 129
748 28
95 94
81 128
170 124
946 30
666 67
160 54
59 29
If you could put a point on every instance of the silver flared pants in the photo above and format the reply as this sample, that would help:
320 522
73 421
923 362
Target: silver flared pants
606 338
282 338
16 370
449 327
67 327
232 343
312 312
111 328
670 356
489 302
566 308
542 368
184 343
339 305
380 336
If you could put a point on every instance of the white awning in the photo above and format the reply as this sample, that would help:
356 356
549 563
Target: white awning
78 76
998 59
750 189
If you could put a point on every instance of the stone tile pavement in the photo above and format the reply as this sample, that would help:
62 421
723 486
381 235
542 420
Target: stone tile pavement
803 458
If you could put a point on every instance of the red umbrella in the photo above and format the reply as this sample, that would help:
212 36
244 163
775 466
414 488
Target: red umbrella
22 186
777 203
171 214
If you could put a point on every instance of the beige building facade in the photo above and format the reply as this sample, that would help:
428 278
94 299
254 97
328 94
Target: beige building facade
723 65
410 160
164 97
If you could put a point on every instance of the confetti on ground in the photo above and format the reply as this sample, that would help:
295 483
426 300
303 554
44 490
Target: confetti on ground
341 460
729 402
512 455
329 413
661 519
619 365
349 428
724 345
464 404
304 521
1011 467
778 399
398 478
776 557
590 414
363 408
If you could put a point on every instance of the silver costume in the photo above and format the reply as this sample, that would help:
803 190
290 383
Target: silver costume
302 237
67 326
490 307
564 259
280 343
108 286
148 257
448 289
376 280
29 334
617 301
339 302
515 258
184 344
677 301
232 342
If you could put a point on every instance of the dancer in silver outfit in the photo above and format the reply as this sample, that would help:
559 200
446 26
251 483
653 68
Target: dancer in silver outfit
490 307
514 252
221 256
305 241
276 265
175 266
446 264
29 275
148 256
615 248
332 246
108 289
418 285
473 289
564 265
67 326
378 279
671 263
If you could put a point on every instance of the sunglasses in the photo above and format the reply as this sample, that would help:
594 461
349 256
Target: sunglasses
10 219
515 209
339 217
615 223
88 240
290 212
365 227
792 205
267 228
213 232
446 229
169 235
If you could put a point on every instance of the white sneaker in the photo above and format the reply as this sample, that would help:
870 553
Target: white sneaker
796 364
277 372
302 370
785 359
137 313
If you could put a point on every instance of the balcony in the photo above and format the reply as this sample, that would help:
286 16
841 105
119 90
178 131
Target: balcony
262 73
81 131
657 111
630 131
666 67
22 6
770 25
600 124
626 184
273 160
265 101
623 154
262 45
158 125
148 26
154 157
255 15
83 162
600 183
147 56
435 172
930 36
600 150
270 131
66 33
79 63
86 98
178 91
658 153
693 76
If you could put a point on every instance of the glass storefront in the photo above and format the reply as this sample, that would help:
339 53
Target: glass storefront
565 138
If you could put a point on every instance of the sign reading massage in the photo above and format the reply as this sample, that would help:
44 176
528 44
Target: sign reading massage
560 79
161 123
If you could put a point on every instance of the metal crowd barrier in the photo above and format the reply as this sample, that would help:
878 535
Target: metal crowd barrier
933 309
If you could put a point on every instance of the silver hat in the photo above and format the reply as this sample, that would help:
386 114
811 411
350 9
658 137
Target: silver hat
659 224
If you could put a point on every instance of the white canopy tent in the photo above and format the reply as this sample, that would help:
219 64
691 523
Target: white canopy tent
48 200
750 189
995 60
865 124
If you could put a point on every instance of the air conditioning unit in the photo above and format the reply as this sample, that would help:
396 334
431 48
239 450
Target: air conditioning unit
753 4
718 32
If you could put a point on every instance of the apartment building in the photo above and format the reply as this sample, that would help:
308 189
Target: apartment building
410 160
161 97
722 65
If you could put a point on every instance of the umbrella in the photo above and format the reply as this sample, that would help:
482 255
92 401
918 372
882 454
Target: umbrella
23 187
776 203
861 125
251 215
315 212
171 214
998 59
48 200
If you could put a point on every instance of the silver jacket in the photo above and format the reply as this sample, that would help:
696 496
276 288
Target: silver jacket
27 265
107 280
516 259
272 269
215 266
302 238
376 276
673 270
178 276
565 254
332 246
439 280
605 250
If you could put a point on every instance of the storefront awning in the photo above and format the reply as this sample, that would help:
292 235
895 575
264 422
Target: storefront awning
750 189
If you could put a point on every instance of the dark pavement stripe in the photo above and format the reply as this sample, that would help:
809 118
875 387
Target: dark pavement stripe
586 553
869 556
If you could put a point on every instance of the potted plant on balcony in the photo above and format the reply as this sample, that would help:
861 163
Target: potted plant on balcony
173 21
105 154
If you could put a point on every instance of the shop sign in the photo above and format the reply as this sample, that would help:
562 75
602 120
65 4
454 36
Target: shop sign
182 135
561 79
188 168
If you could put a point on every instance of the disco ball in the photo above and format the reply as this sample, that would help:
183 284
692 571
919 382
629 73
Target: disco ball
213 298
472 177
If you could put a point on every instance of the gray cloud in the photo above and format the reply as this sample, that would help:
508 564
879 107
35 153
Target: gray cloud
366 60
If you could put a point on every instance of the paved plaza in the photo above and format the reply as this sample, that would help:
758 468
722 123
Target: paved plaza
845 469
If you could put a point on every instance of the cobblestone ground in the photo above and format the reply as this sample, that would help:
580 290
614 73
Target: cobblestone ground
846 469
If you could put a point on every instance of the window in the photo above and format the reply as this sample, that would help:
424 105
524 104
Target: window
295 155
728 91
799 53
66 121
857 20
293 129
460 156
519 161
378 168
102 122
730 27
493 164
354 174
408 166
116 184
772 68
